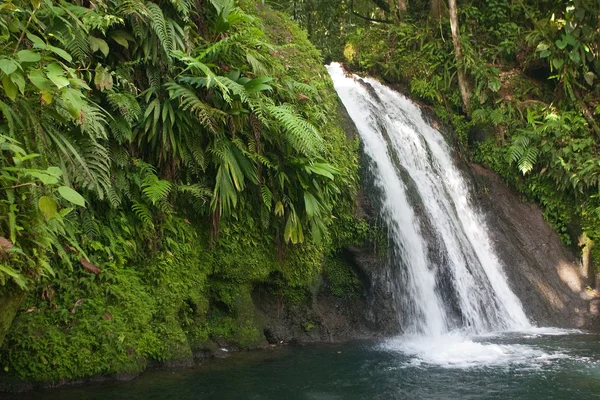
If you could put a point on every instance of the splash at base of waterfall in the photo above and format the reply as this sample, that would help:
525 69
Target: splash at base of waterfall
458 350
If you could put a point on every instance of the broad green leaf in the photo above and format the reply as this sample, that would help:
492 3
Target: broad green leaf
8 66
561 44
234 75
494 85
542 46
56 75
545 53
258 84
74 100
71 195
574 56
28 56
589 77
47 97
61 53
122 37
18 79
38 43
15 25
570 39
55 171
323 169
10 88
44 177
98 44
47 206
311 205
557 63
39 80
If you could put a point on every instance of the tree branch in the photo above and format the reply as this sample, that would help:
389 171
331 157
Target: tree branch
382 21
382 4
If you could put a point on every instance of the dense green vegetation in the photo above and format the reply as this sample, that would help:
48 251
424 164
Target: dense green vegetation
160 161
532 70
163 160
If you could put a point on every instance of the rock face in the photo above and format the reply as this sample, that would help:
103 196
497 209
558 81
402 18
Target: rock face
542 272
10 301
329 318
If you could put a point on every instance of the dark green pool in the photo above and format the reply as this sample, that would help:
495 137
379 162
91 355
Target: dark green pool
528 365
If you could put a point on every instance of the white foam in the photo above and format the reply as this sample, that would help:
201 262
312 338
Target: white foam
457 351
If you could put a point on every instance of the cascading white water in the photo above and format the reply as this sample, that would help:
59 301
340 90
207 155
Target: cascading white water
446 276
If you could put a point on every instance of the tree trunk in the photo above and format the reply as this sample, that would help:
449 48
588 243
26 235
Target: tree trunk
463 84
401 8
587 113
435 10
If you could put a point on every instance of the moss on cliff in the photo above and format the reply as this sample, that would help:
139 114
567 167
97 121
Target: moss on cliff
164 294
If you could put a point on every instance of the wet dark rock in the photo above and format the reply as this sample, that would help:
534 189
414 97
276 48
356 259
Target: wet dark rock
543 273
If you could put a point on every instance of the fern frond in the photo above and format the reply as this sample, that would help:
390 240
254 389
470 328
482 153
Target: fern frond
155 189
497 116
125 104
183 7
527 161
143 214
480 115
203 112
199 195
159 25
303 136
121 130
267 196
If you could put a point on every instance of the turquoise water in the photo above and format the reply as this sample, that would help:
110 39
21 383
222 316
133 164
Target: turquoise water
510 366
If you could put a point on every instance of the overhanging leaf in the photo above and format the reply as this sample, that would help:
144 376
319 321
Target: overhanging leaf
28 56
8 66
39 80
71 195
18 79
56 75
37 42
589 77
10 88
98 44
47 206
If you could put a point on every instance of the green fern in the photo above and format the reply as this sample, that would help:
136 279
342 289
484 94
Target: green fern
303 136
189 101
159 26
523 154
155 189
143 214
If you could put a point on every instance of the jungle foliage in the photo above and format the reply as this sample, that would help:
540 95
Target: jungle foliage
533 68
159 160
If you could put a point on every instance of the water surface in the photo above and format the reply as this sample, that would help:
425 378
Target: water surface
537 364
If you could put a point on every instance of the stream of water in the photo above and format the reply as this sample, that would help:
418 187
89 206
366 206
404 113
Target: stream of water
444 269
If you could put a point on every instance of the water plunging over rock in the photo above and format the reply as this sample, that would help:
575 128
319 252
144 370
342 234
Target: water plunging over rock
444 273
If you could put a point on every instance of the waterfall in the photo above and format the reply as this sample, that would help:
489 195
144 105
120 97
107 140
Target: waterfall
444 274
